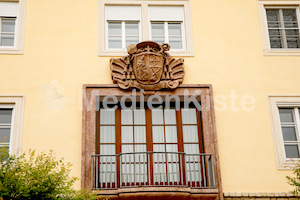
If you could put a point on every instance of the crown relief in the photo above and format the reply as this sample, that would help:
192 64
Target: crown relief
147 66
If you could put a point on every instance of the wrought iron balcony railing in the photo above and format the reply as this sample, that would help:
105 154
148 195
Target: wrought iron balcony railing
152 169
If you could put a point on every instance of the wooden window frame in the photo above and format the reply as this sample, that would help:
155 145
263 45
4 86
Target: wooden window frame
149 137
92 91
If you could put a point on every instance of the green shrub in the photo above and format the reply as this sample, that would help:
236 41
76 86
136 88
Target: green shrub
295 181
37 176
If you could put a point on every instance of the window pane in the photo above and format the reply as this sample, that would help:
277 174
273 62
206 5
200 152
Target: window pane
175 42
191 148
293 42
173 171
289 15
174 29
140 148
114 42
114 35
158 40
286 114
107 134
159 148
291 151
159 166
273 24
126 116
7 40
276 42
171 134
107 170
172 148
157 29
139 116
190 133
131 40
292 32
131 29
272 15
8 25
5 132
158 134
114 29
289 134
5 148
107 116
170 116
140 134
5 116
290 18
291 24
127 148
127 134
107 149
274 32
189 116
157 116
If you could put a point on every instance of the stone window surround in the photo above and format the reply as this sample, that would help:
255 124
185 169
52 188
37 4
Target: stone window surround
276 101
17 103
91 91
262 4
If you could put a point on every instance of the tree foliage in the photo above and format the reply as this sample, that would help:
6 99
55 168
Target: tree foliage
37 176
295 181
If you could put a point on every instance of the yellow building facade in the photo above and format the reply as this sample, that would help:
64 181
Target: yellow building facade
62 46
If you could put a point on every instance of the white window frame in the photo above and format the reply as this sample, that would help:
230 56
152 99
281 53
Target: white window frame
123 25
18 47
17 105
276 102
166 33
145 24
262 5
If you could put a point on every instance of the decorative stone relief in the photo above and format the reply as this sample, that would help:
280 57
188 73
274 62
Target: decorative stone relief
147 66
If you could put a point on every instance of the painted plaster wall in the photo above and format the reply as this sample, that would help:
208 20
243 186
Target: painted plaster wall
61 54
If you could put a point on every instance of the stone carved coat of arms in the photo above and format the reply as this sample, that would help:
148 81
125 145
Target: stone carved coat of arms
147 66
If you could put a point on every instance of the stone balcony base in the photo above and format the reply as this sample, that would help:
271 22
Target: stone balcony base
160 193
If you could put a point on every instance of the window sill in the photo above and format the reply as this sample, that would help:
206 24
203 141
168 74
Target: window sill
12 50
282 52
288 164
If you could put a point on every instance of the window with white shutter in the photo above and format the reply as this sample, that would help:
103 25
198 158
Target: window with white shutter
122 26
134 21
167 25
12 14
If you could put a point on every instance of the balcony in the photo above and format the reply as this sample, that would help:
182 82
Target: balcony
156 169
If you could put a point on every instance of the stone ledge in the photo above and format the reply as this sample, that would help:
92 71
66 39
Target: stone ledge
260 195
160 193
